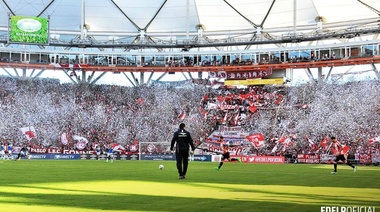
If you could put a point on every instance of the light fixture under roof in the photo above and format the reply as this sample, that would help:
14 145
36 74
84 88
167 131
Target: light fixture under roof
200 26
320 19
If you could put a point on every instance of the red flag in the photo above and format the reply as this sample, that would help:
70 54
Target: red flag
140 100
243 96
285 141
117 147
182 115
374 140
204 114
324 142
345 149
255 136
252 108
257 140
134 147
29 132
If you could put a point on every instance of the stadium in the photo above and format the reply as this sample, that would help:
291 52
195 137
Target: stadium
275 79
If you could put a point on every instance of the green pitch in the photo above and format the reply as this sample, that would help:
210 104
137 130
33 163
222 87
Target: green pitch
40 185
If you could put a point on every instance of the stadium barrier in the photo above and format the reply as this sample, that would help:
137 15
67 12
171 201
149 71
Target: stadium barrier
364 159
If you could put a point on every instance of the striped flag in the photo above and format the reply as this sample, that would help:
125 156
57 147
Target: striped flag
64 139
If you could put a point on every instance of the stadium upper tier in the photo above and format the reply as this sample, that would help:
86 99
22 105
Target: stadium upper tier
188 35
237 67
365 52
186 25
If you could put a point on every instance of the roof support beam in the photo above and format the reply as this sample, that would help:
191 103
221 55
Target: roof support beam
8 73
51 2
132 82
375 70
39 74
310 75
98 78
16 72
162 75
266 15
249 21
135 79
191 77
91 76
183 73
134 24
64 71
10 10
329 73
150 39
150 77
155 15
253 38
142 80
370 7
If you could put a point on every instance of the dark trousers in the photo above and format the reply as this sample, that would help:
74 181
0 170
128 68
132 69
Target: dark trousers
182 162
343 159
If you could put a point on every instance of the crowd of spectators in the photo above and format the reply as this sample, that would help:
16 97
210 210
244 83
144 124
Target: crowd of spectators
302 115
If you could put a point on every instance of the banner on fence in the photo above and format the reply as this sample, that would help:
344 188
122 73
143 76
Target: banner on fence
306 158
263 159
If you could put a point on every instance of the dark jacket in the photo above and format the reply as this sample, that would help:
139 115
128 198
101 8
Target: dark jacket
184 140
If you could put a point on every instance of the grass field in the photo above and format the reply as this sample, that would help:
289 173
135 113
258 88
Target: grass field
50 185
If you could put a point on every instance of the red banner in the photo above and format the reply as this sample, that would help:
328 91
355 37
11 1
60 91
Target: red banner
263 159
365 159
41 150
240 74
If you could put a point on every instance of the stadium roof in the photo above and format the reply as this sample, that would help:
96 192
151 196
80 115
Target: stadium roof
157 23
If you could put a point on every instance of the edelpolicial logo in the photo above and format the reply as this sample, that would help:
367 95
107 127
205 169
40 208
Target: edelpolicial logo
348 209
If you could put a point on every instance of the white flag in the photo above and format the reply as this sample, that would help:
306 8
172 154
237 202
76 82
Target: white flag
64 139
81 142
29 132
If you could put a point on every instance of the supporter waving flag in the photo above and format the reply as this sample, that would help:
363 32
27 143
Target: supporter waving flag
235 120
311 143
374 140
117 147
257 140
29 132
81 142
64 139
324 142
224 120
182 115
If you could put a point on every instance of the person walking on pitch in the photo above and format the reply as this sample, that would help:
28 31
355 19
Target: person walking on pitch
183 141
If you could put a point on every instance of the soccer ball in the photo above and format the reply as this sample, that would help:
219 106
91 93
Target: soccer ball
161 167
